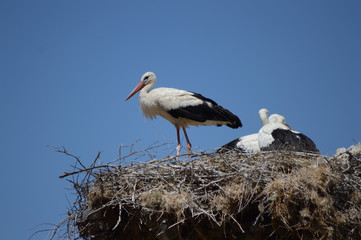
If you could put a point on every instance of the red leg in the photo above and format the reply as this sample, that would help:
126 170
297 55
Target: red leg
178 140
189 145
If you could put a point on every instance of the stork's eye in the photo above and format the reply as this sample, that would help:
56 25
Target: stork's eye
145 79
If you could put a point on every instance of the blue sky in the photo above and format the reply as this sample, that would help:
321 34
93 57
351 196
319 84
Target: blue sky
66 68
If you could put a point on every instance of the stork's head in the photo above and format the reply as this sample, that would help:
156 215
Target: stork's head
263 115
147 81
148 78
276 118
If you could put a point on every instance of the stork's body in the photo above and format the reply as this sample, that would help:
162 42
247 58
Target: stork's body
277 135
181 108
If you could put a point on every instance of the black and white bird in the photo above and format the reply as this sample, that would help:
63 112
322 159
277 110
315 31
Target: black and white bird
181 108
248 143
245 144
277 135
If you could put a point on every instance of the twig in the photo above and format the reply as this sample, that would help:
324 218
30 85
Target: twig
63 150
239 225
87 170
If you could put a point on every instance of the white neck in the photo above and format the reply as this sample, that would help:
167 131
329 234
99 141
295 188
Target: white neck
263 114
146 89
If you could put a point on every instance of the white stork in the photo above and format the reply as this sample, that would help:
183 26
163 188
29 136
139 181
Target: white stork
277 135
181 108
248 143
245 144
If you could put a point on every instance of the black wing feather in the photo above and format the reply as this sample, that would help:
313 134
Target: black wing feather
229 146
204 112
289 140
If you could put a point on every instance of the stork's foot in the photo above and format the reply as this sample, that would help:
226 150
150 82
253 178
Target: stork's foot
178 149
189 147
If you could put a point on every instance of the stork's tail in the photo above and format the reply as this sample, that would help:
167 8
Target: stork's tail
233 120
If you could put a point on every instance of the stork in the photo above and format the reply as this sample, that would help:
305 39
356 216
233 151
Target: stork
277 135
245 144
181 108
248 143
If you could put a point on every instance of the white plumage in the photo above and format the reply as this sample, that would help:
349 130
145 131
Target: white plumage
181 108
248 143
263 115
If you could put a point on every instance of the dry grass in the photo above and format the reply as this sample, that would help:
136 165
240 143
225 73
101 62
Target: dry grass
271 195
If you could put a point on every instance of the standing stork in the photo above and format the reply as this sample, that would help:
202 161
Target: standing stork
181 108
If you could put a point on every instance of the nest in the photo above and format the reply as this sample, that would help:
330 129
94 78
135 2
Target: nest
270 195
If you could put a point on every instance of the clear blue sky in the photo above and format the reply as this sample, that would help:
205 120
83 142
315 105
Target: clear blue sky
67 66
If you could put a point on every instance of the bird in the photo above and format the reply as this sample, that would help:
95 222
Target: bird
181 108
248 143
278 135
245 144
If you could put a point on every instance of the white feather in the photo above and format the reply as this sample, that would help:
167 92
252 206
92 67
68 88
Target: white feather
249 143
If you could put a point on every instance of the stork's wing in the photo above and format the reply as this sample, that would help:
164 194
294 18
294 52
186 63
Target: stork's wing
229 146
198 108
291 140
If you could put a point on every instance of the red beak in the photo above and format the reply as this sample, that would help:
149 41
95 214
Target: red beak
136 89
